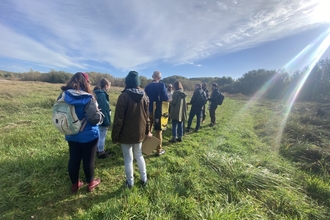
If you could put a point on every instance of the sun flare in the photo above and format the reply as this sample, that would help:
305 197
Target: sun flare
321 12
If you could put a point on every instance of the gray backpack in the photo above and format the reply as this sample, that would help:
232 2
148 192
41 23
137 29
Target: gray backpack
65 118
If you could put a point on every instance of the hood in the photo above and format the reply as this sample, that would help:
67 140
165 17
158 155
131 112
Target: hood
98 91
135 94
77 97
181 93
101 91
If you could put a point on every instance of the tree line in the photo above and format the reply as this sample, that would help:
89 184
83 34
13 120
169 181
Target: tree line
278 82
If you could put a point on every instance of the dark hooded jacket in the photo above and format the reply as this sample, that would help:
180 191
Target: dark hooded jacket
194 100
213 99
178 106
104 105
131 121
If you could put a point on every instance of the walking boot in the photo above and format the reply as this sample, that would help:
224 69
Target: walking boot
76 186
173 140
93 184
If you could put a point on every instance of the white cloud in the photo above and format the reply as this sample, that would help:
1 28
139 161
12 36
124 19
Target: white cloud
194 64
222 5
131 34
23 48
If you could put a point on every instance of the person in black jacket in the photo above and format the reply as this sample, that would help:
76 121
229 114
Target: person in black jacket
213 103
196 107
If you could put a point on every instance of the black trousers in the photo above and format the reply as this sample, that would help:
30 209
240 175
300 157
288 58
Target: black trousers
203 113
192 113
85 152
212 115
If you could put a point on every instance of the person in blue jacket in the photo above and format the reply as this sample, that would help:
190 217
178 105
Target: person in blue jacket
82 146
157 92
102 97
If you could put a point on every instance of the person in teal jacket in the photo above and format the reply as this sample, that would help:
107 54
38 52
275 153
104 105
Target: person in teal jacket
101 93
82 146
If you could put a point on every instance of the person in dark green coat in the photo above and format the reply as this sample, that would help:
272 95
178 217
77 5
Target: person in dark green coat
213 103
178 112
101 93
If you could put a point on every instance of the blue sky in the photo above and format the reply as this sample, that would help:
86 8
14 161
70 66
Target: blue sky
191 38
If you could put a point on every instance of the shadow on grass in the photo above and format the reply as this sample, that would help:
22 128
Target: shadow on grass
38 186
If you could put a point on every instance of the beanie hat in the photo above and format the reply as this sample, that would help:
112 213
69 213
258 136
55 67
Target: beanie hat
132 80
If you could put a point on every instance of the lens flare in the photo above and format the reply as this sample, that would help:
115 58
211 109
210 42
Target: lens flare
313 59
320 45
322 11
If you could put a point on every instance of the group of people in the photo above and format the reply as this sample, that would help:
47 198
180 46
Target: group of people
137 114
179 106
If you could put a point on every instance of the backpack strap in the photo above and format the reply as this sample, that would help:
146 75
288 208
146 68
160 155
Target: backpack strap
84 122
62 95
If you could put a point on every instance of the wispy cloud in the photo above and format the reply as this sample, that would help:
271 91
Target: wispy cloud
134 34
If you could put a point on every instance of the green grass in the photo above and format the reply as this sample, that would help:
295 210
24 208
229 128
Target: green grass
231 171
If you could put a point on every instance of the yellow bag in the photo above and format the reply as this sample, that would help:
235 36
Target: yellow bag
161 115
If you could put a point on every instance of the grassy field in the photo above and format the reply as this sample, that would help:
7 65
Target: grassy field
238 169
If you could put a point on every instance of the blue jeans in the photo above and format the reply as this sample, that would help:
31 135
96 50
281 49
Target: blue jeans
177 129
103 133
192 114
128 151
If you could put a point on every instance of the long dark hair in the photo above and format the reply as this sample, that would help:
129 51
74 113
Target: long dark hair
104 82
78 82
177 85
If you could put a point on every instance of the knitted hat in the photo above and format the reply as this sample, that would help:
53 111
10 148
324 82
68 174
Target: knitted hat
132 80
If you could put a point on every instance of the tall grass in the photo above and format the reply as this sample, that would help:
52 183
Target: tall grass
230 171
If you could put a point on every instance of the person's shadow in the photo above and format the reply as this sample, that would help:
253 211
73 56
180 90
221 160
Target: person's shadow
40 188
